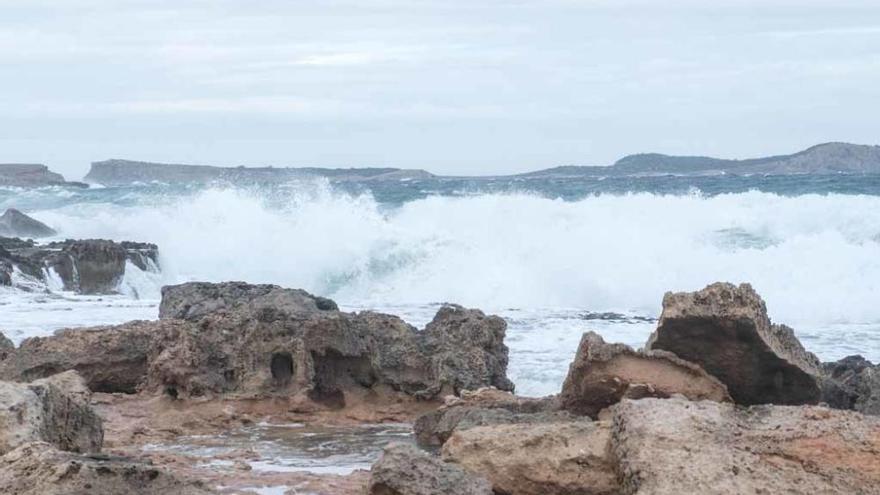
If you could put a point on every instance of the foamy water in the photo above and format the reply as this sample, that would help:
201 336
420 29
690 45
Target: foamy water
547 265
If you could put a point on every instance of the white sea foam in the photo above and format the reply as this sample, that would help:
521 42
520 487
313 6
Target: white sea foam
814 258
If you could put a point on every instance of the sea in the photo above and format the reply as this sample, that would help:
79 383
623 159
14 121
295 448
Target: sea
554 257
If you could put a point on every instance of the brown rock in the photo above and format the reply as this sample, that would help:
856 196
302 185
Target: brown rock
39 469
725 330
406 470
54 410
674 446
569 458
602 374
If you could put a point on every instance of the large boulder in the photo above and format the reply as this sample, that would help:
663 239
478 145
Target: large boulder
110 359
405 470
39 469
602 374
860 381
54 410
567 458
14 223
484 407
193 300
725 329
673 446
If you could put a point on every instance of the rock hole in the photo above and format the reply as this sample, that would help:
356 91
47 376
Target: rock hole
171 392
281 366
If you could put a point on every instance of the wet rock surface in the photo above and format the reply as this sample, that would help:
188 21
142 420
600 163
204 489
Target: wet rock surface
602 374
564 458
91 266
859 380
54 410
405 470
675 446
725 329
14 223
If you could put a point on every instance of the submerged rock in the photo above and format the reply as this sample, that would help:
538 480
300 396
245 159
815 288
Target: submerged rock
92 266
405 470
602 374
725 329
54 410
14 223
676 446
860 381
567 458
39 469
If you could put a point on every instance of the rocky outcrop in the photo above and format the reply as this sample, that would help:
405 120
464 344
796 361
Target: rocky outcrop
110 359
6 347
28 175
484 407
14 223
405 470
725 329
602 374
568 458
92 266
54 410
193 300
675 446
260 341
39 469
860 381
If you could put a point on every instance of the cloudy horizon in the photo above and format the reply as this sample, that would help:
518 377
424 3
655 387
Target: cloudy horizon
452 87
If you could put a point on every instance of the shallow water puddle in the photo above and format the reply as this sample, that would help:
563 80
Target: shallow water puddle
282 448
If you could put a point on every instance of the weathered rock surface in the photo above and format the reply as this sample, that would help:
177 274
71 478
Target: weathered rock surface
725 330
6 347
569 458
860 381
39 469
193 300
674 446
92 266
28 175
14 223
110 359
602 374
279 343
485 407
406 470
54 410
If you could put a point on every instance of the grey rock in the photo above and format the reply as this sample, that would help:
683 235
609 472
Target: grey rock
725 330
193 300
14 223
54 410
405 470
602 374
858 381
28 175
37 468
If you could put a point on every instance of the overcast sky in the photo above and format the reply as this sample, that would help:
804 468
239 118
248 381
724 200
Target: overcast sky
452 86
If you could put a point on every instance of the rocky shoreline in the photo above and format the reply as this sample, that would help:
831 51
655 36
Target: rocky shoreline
721 400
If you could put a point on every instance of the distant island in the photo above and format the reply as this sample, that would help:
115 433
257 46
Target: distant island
822 159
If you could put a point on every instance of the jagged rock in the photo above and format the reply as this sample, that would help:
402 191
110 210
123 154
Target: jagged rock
110 359
14 223
194 300
262 349
92 266
405 470
481 408
39 469
725 329
6 347
674 446
54 410
860 381
602 374
568 458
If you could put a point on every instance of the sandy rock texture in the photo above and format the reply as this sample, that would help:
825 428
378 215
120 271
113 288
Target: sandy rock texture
405 470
